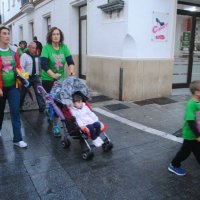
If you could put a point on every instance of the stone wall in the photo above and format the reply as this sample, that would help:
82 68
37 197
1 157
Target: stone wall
142 79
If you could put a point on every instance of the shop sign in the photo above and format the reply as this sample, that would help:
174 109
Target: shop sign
160 26
185 43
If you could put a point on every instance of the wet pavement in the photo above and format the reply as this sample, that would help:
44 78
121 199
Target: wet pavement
135 169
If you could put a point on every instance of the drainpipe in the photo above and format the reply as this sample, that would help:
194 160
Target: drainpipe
121 84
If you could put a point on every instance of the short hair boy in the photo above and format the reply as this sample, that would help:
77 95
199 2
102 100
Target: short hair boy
190 132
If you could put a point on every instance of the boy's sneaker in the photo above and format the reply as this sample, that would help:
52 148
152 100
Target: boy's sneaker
20 144
176 170
96 142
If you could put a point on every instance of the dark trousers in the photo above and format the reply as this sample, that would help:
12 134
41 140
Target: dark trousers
34 82
94 130
12 94
47 85
187 147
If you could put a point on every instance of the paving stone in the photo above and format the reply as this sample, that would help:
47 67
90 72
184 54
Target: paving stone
99 98
136 168
114 107
41 164
9 169
14 186
71 193
53 181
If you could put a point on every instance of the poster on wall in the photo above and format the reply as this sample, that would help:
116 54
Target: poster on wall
160 26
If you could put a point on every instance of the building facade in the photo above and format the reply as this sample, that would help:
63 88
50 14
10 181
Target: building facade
128 50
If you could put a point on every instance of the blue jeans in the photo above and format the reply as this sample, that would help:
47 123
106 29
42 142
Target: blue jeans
94 130
12 94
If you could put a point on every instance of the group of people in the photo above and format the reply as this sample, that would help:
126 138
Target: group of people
54 56
53 59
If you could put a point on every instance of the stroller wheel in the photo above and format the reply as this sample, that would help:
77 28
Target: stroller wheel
66 143
87 155
107 146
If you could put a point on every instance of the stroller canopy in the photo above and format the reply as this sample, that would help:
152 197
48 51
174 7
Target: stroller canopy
64 90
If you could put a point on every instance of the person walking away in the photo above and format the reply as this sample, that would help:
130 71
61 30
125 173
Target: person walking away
30 63
190 131
54 57
9 62
39 46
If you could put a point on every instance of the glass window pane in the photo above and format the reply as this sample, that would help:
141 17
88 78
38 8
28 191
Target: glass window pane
182 46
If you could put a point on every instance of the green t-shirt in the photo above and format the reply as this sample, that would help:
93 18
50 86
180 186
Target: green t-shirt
190 114
21 51
56 58
8 75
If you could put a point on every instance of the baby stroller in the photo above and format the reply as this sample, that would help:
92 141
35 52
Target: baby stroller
59 101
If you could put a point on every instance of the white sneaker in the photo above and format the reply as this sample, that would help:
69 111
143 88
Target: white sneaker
96 142
100 140
20 144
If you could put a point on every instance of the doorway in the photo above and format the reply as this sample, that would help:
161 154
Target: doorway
187 48
82 41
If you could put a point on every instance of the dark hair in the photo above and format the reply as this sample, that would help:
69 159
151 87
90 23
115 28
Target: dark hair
49 35
35 38
23 42
4 27
76 98
195 86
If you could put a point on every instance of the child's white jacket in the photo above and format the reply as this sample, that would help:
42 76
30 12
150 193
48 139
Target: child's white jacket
84 116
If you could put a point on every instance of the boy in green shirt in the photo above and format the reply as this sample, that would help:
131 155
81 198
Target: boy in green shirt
190 132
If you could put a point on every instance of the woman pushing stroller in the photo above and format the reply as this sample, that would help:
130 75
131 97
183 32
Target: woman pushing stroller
55 55
86 119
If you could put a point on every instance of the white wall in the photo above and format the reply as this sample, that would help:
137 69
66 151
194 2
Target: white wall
105 37
130 36
140 26
63 15
14 8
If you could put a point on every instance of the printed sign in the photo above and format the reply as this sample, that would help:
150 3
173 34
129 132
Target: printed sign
160 26
185 43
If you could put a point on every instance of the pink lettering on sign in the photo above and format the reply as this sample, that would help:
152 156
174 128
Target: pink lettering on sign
160 37
156 29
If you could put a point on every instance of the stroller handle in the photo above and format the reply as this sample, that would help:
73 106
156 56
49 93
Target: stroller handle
40 89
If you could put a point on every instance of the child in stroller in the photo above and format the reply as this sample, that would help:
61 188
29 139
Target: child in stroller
60 102
86 119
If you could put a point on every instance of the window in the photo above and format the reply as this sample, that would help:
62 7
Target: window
8 5
3 12
13 3
20 33
11 39
48 23
31 29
